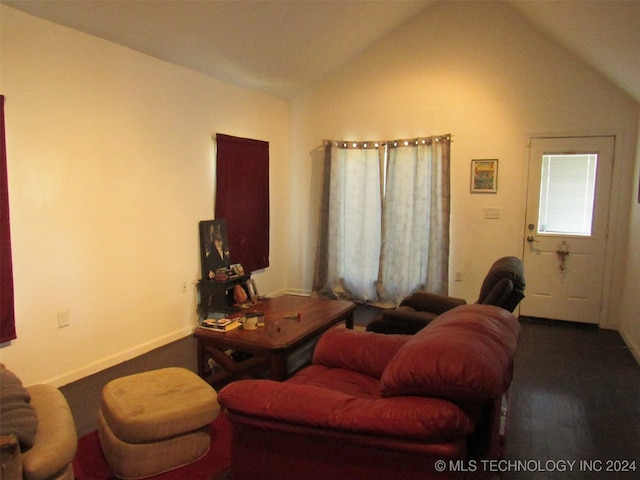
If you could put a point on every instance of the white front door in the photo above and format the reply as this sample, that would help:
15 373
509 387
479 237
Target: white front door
565 230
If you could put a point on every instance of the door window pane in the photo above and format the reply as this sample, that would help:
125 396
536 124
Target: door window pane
567 193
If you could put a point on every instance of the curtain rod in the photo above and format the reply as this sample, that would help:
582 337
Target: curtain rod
392 143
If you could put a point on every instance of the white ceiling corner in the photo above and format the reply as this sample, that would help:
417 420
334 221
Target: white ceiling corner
283 47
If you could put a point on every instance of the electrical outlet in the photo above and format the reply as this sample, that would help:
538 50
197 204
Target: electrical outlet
492 213
63 319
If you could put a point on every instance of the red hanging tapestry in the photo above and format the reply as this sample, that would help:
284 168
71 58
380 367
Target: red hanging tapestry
242 198
7 313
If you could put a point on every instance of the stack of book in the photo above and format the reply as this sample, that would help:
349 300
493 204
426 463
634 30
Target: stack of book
221 324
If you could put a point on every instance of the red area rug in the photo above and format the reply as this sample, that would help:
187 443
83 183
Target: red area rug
90 463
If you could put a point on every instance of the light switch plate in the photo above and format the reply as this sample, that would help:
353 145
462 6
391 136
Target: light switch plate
63 318
492 213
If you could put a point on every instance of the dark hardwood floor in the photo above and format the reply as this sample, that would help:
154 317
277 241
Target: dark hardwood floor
575 396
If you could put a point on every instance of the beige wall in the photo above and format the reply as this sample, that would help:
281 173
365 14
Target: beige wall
111 167
482 72
111 162
630 303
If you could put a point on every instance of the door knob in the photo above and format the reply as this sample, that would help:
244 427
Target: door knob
531 239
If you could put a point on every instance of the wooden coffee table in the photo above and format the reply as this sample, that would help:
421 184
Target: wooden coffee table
268 346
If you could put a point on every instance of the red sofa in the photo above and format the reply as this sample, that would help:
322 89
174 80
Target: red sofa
375 406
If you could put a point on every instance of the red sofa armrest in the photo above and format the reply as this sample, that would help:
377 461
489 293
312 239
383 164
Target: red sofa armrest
364 352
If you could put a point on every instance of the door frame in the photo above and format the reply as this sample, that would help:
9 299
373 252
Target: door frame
604 319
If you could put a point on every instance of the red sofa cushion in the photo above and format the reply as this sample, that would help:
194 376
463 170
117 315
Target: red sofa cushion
339 379
425 419
465 355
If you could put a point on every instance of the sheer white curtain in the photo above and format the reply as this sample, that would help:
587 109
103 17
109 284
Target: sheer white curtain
415 225
354 214
384 229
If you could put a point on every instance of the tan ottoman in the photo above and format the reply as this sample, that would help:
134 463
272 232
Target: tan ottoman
156 421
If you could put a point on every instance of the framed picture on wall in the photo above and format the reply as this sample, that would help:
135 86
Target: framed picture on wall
214 247
484 176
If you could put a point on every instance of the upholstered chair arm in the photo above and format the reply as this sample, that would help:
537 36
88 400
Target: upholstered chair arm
56 439
403 314
431 302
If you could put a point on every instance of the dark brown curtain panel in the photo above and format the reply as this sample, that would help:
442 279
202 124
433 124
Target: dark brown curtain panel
7 312
242 198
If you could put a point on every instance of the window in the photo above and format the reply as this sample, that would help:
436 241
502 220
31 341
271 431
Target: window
242 198
384 229
567 193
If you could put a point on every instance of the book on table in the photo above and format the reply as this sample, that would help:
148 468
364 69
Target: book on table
221 324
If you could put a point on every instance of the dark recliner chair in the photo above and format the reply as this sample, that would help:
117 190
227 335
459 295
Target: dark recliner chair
503 287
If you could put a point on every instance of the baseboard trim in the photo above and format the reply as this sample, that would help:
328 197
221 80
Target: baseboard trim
120 357
295 291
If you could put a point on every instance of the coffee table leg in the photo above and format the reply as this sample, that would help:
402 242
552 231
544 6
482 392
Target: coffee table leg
278 365
349 320
202 367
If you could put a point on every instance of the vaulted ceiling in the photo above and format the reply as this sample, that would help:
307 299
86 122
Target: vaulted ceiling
283 47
